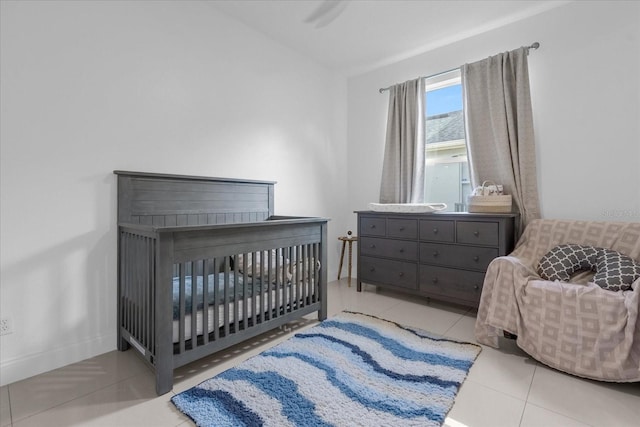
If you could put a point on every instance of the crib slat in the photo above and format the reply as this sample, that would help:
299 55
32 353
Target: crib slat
145 290
150 258
295 290
245 293
291 297
317 274
205 302
268 285
286 301
140 287
216 299
124 281
236 311
314 273
280 276
311 279
286 281
129 279
152 297
131 259
181 293
134 282
194 304
312 261
134 279
262 288
305 273
225 304
300 271
256 292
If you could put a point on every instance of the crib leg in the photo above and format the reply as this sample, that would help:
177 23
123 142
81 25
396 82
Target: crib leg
164 381
322 313
123 345
163 323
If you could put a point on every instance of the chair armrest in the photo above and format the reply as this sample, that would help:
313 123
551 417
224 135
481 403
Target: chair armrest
515 264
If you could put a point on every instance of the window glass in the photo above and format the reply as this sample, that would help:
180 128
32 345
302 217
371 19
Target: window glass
447 168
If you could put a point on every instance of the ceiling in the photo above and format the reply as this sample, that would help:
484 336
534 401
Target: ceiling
359 35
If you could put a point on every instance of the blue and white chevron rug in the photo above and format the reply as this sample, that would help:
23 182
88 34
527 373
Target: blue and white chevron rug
350 370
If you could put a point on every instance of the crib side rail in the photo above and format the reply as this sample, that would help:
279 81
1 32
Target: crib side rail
262 277
137 290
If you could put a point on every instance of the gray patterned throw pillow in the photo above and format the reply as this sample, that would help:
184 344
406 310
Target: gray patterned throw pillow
614 271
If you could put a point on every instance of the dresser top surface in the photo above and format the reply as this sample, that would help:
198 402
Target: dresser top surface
440 215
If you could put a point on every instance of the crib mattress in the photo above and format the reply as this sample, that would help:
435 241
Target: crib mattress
283 293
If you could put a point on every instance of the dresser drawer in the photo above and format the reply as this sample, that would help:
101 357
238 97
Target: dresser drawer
385 271
371 226
468 257
404 228
401 249
477 233
465 286
436 231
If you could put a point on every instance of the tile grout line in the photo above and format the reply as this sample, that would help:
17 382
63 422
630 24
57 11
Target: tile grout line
74 399
561 414
455 323
10 410
542 407
526 400
497 390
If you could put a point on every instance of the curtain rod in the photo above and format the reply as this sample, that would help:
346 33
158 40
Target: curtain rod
534 46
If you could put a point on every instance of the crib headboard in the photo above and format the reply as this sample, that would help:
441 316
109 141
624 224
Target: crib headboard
177 200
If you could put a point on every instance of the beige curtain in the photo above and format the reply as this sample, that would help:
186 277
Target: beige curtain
499 127
403 166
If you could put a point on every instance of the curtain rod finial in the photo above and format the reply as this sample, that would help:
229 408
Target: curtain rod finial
535 45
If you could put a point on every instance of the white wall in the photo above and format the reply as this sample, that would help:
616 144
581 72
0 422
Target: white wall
585 84
174 87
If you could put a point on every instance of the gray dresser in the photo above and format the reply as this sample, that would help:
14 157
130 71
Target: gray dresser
438 255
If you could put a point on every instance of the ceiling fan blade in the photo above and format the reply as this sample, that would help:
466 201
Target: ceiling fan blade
326 12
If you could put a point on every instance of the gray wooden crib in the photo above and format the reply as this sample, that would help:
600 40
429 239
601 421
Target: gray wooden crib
204 264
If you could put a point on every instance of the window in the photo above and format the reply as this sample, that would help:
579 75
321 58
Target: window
447 169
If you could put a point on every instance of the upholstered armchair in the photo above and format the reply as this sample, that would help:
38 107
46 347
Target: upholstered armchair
574 326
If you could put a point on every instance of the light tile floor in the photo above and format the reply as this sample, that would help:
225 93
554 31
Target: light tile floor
505 387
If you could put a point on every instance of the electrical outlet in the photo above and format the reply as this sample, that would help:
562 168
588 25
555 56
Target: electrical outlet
6 326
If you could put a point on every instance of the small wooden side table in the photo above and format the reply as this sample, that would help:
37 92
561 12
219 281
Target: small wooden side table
345 240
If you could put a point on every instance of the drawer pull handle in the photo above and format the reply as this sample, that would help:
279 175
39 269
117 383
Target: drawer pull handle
401 228
401 274
373 246
476 233
435 254
373 226
476 287
476 258
435 280
401 250
435 231
372 269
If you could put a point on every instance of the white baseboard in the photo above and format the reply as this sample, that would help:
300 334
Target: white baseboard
26 366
